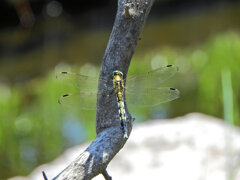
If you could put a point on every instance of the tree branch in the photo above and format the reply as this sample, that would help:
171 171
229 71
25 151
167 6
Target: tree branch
130 19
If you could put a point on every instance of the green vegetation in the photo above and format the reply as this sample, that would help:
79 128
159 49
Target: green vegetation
34 128
199 77
227 96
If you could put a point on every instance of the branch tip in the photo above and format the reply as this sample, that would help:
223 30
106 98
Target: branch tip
44 175
106 175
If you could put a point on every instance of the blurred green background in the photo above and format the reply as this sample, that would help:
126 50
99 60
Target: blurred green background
35 129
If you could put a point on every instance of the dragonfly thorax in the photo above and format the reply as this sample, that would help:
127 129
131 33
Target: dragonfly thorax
118 82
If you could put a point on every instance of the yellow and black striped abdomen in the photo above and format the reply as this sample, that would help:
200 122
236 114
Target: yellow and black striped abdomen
122 116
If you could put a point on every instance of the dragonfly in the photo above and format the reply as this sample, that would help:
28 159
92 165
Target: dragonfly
141 90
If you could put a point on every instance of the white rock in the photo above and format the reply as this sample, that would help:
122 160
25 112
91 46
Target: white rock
193 147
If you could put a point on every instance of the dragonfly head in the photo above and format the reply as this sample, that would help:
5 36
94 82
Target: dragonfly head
117 73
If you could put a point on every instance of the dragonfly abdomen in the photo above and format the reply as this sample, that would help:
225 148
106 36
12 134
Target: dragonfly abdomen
122 116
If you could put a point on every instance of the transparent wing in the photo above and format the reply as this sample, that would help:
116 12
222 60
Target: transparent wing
151 96
84 101
150 79
84 83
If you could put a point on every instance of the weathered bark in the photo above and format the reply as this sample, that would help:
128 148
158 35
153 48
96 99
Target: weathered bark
130 18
